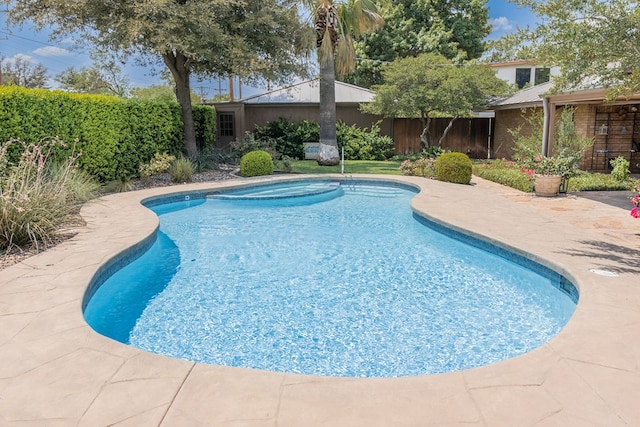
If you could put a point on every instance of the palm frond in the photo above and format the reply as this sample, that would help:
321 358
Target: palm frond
325 50
358 17
345 56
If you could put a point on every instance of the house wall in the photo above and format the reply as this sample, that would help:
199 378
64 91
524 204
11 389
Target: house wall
260 115
507 71
248 116
468 136
622 137
503 141
237 109
583 117
616 129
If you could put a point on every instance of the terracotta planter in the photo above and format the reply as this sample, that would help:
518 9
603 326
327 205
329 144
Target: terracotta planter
547 185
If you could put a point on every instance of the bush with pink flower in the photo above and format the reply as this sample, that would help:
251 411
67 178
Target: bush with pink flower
635 199
424 166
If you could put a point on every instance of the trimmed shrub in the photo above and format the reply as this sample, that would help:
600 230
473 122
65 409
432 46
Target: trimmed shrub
505 173
256 163
588 181
454 167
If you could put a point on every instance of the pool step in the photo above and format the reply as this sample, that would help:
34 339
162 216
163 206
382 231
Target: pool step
367 191
278 191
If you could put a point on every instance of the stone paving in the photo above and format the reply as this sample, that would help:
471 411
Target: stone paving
56 371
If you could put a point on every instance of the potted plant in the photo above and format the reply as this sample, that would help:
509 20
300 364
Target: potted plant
550 173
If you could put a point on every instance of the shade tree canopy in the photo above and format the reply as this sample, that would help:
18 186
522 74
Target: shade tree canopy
593 42
254 39
455 29
430 86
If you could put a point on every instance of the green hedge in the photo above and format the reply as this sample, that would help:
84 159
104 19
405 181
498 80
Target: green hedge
114 134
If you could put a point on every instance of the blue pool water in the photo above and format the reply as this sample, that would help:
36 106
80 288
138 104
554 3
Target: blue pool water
343 282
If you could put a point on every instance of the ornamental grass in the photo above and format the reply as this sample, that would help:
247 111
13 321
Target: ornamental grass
39 195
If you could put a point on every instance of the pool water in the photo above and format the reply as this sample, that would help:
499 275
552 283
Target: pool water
351 285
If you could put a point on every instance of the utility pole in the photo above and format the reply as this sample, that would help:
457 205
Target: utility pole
3 38
202 94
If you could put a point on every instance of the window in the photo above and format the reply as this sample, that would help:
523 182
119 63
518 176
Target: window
542 75
523 77
226 124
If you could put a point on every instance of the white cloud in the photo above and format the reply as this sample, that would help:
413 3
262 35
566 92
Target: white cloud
501 24
23 57
52 51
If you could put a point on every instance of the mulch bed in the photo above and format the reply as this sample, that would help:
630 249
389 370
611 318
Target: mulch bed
16 255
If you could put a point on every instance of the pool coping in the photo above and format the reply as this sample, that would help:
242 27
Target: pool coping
55 370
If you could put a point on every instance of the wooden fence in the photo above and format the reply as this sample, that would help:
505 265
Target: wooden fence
469 136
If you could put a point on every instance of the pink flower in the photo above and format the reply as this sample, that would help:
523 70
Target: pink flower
635 212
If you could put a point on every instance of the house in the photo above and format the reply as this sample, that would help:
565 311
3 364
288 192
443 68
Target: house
614 125
300 101
523 73
475 136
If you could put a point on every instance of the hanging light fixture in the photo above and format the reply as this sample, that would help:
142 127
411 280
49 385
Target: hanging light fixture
604 129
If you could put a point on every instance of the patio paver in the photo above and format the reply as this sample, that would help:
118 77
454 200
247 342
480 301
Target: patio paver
56 371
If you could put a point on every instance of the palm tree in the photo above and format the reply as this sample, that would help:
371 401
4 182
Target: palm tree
336 24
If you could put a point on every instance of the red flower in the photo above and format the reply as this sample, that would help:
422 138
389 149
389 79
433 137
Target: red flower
635 212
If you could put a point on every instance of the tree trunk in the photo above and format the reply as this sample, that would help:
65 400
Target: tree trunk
446 131
425 139
328 152
179 66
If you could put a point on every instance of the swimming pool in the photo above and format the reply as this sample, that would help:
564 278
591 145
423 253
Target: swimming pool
344 283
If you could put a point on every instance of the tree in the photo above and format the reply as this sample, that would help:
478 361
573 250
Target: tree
84 80
102 78
155 92
163 93
430 86
336 25
20 71
592 42
252 38
453 28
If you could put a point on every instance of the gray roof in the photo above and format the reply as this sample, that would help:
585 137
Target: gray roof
308 92
529 97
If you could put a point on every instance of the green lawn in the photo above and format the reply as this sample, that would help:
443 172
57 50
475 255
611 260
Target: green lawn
389 167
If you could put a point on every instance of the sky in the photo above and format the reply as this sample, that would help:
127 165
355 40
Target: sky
57 56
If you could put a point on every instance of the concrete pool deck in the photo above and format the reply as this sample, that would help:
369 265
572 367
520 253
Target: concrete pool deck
56 371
